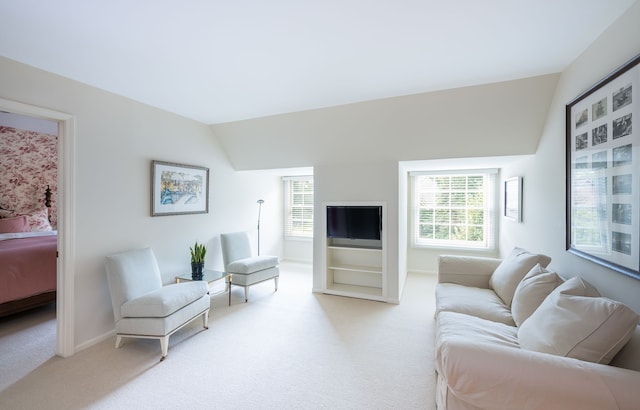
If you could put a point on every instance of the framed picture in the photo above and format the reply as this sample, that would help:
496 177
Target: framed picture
602 167
513 199
178 189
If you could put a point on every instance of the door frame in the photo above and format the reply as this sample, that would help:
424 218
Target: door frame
65 298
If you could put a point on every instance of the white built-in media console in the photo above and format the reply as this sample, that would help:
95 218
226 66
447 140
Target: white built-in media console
355 262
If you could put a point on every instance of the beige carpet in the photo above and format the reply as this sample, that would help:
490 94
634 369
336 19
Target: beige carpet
292 349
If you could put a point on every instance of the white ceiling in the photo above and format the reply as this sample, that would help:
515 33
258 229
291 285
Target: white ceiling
225 60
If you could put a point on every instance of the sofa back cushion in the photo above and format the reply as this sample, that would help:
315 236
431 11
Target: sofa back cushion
512 269
532 291
629 356
574 321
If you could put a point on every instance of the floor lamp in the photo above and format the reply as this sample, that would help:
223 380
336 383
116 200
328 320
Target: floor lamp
260 202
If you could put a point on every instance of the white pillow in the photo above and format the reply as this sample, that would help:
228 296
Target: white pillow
512 269
573 321
39 220
532 291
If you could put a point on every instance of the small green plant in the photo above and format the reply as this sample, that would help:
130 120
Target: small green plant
198 252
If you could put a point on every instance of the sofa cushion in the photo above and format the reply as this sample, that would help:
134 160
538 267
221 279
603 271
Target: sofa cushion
532 291
164 301
471 329
252 264
487 375
483 303
512 269
573 321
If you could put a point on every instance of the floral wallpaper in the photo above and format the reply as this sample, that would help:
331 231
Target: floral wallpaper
28 163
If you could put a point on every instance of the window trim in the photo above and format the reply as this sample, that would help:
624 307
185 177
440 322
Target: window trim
492 210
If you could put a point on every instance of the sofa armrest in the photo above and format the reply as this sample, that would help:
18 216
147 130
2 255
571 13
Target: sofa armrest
466 270
491 376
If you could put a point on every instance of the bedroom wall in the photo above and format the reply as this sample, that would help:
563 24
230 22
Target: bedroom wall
28 165
543 226
116 139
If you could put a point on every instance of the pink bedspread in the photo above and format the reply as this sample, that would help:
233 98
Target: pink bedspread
27 267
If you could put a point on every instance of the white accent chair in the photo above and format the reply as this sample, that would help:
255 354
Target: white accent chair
143 307
246 270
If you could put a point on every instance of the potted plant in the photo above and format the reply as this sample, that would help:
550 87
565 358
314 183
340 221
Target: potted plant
198 252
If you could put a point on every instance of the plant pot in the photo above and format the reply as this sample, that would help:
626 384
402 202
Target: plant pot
196 270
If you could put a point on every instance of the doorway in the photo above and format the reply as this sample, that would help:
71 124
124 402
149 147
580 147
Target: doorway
65 200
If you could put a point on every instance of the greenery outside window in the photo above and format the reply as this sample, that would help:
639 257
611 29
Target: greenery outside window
298 207
454 209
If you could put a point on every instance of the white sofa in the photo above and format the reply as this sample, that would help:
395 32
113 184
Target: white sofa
512 335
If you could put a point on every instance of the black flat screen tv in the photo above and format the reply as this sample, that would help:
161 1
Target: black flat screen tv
354 222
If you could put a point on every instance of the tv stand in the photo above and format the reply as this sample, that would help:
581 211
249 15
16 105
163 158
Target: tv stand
353 267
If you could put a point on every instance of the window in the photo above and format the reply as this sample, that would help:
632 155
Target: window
454 209
298 206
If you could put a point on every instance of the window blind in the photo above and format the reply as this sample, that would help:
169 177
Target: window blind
454 209
298 206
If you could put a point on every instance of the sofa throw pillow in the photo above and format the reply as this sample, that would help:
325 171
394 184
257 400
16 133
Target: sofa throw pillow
574 321
512 269
532 291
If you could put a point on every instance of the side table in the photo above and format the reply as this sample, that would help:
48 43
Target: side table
210 276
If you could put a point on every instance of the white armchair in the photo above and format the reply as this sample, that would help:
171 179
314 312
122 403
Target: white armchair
246 270
143 307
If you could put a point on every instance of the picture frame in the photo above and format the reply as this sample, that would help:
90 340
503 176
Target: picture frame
513 199
178 189
603 171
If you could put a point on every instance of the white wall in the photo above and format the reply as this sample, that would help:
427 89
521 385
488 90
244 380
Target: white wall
488 120
543 226
344 183
403 218
425 259
355 149
298 250
116 140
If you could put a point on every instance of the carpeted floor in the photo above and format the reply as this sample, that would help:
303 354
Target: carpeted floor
291 349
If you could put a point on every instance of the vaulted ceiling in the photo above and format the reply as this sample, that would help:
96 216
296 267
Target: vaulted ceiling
218 61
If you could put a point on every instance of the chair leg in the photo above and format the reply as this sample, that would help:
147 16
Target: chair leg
246 294
118 341
164 345
276 281
205 319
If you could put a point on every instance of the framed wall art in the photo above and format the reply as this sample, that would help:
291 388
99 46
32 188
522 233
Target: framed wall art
178 189
513 199
603 171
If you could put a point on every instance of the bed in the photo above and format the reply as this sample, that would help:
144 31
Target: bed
27 270
28 261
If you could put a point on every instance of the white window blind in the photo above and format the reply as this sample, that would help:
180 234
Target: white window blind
298 206
454 209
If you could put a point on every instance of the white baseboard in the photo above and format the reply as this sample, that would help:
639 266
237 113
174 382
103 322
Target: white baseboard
297 260
95 340
423 272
